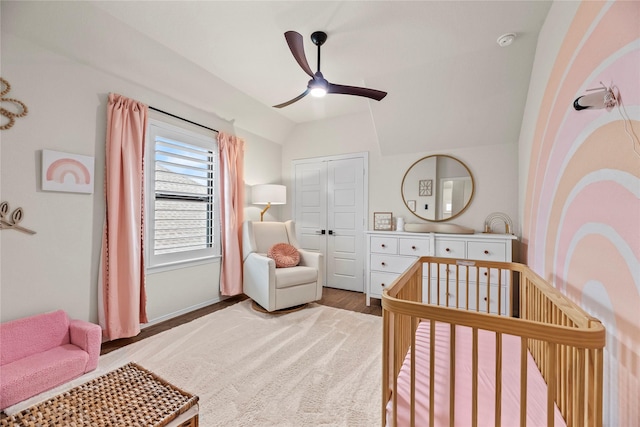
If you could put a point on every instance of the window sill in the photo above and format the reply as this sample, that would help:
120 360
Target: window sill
160 268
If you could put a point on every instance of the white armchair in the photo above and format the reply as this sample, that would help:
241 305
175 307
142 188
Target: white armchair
278 288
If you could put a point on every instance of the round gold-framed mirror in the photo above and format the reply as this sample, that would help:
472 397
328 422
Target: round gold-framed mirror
437 188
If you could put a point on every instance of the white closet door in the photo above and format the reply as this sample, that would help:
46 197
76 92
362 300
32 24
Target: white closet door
345 223
310 206
329 206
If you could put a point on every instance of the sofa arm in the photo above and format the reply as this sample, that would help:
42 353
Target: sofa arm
310 259
315 260
87 336
259 279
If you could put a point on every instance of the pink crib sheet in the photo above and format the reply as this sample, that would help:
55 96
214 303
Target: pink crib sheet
536 386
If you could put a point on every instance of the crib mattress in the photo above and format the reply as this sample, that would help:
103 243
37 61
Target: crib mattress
510 414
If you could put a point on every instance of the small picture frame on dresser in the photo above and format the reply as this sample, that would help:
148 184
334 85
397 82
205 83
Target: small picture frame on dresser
383 221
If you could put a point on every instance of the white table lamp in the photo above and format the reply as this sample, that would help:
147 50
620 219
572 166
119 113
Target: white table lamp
268 194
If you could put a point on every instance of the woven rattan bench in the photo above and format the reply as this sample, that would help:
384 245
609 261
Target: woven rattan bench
127 396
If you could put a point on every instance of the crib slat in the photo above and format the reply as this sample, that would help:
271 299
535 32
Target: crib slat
499 291
580 386
397 330
474 378
452 378
438 285
386 342
551 383
498 411
489 291
432 365
466 287
413 371
598 387
523 381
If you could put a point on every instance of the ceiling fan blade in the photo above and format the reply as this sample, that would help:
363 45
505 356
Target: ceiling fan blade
296 45
291 101
358 91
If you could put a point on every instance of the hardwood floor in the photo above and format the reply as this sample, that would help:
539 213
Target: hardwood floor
338 298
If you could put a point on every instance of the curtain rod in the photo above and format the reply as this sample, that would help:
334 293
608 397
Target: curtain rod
182 118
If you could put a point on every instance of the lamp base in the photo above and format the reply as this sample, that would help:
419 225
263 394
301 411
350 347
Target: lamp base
263 211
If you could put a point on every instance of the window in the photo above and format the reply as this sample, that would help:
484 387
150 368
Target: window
182 216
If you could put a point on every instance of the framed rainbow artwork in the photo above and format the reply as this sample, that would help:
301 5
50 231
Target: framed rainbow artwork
67 172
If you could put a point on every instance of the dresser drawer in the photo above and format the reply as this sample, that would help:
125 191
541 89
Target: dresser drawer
380 281
487 251
413 247
384 245
489 297
450 248
389 263
443 295
485 276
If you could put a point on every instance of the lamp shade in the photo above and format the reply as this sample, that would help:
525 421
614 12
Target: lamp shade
264 194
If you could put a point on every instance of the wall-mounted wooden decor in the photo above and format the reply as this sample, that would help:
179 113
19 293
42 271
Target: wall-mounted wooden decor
6 87
12 223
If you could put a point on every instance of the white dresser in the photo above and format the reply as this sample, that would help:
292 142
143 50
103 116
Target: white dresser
390 253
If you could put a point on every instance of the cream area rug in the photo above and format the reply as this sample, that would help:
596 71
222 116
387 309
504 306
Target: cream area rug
319 366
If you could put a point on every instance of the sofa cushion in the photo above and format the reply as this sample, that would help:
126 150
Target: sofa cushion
287 277
30 335
284 254
19 379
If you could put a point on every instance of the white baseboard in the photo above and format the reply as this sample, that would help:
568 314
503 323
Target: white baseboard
180 312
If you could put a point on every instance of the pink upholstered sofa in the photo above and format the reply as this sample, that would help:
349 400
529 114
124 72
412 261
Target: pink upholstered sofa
40 352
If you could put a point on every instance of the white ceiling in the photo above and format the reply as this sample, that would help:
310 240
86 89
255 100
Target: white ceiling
449 84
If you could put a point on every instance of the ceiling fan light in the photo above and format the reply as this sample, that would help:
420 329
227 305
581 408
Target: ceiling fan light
318 92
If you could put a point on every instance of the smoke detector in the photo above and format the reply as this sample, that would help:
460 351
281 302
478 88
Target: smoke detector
506 39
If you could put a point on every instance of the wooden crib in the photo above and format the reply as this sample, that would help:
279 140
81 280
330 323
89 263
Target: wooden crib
550 337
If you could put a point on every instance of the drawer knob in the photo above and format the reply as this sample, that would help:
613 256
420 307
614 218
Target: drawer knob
485 273
383 264
485 298
486 252
382 284
447 250
413 247
383 245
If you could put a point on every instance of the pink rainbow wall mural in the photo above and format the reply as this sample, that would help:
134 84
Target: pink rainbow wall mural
582 204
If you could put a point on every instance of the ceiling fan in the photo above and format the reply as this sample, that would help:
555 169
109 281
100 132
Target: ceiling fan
318 85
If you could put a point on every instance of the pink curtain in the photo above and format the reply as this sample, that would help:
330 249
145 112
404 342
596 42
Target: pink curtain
123 293
231 151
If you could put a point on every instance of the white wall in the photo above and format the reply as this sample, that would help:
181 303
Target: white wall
494 168
58 266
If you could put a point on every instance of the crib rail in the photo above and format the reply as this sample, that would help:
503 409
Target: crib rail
565 342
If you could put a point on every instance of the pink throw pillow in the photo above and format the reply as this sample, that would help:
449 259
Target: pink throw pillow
284 255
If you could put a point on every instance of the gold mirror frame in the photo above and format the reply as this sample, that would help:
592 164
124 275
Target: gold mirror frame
429 189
